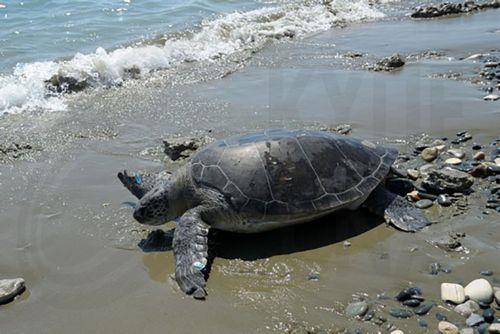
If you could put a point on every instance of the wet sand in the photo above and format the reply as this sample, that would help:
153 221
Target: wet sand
64 229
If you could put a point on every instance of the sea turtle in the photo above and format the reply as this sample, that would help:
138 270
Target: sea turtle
261 181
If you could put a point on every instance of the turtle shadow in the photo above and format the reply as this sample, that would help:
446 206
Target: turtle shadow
325 231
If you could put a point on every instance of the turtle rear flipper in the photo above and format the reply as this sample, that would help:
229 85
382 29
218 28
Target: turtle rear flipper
396 210
190 247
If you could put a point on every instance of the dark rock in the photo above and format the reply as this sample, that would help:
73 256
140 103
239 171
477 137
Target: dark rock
389 63
486 272
313 277
177 148
434 268
489 315
400 313
422 323
356 309
65 84
424 204
476 146
479 171
369 315
441 317
408 293
424 308
483 328
443 200
447 180
411 302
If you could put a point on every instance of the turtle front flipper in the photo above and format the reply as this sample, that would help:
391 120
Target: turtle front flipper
138 184
190 247
395 210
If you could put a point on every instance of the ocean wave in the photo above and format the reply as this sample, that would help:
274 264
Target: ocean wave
42 85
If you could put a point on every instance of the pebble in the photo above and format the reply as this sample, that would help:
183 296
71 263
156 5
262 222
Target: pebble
413 174
467 330
491 97
10 288
441 317
400 313
486 273
497 161
479 156
494 328
476 146
483 328
397 331
444 200
356 309
446 327
467 308
489 315
452 292
424 308
413 195
429 154
434 268
479 290
474 320
411 302
456 153
453 161
422 323
313 277
408 293
424 204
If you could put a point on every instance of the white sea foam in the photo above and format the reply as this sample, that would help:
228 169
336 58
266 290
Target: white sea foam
26 89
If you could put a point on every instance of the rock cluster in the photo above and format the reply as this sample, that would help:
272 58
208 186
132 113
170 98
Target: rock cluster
389 64
448 8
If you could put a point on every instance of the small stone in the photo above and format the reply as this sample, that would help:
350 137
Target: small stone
483 328
10 288
413 174
479 156
422 323
434 268
346 244
446 327
489 315
474 320
413 195
356 309
476 146
479 290
424 308
369 315
467 308
313 277
411 302
444 200
456 153
486 273
453 161
451 292
441 317
467 330
424 204
491 97
494 328
408 293
400 313
429 154
397 331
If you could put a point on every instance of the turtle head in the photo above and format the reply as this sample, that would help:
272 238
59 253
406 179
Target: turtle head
156 207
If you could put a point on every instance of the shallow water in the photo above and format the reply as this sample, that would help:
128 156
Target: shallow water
65 230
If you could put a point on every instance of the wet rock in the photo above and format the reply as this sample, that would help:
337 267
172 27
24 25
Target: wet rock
467 330
411 302
441 317
422 323
413 174
434 268
389 63
489 315
424 204
65 84
400 313
429 154
453 161
356 309
424 308
479 171
491 97
451 292
474 320
444 200
479 156
467 308
479 290
486 273
483 328
313 277
447 180
408 293
456 153
476 146
11 288
176 148
368 316
397 331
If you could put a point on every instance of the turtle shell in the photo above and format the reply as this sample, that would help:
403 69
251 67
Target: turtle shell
282 174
